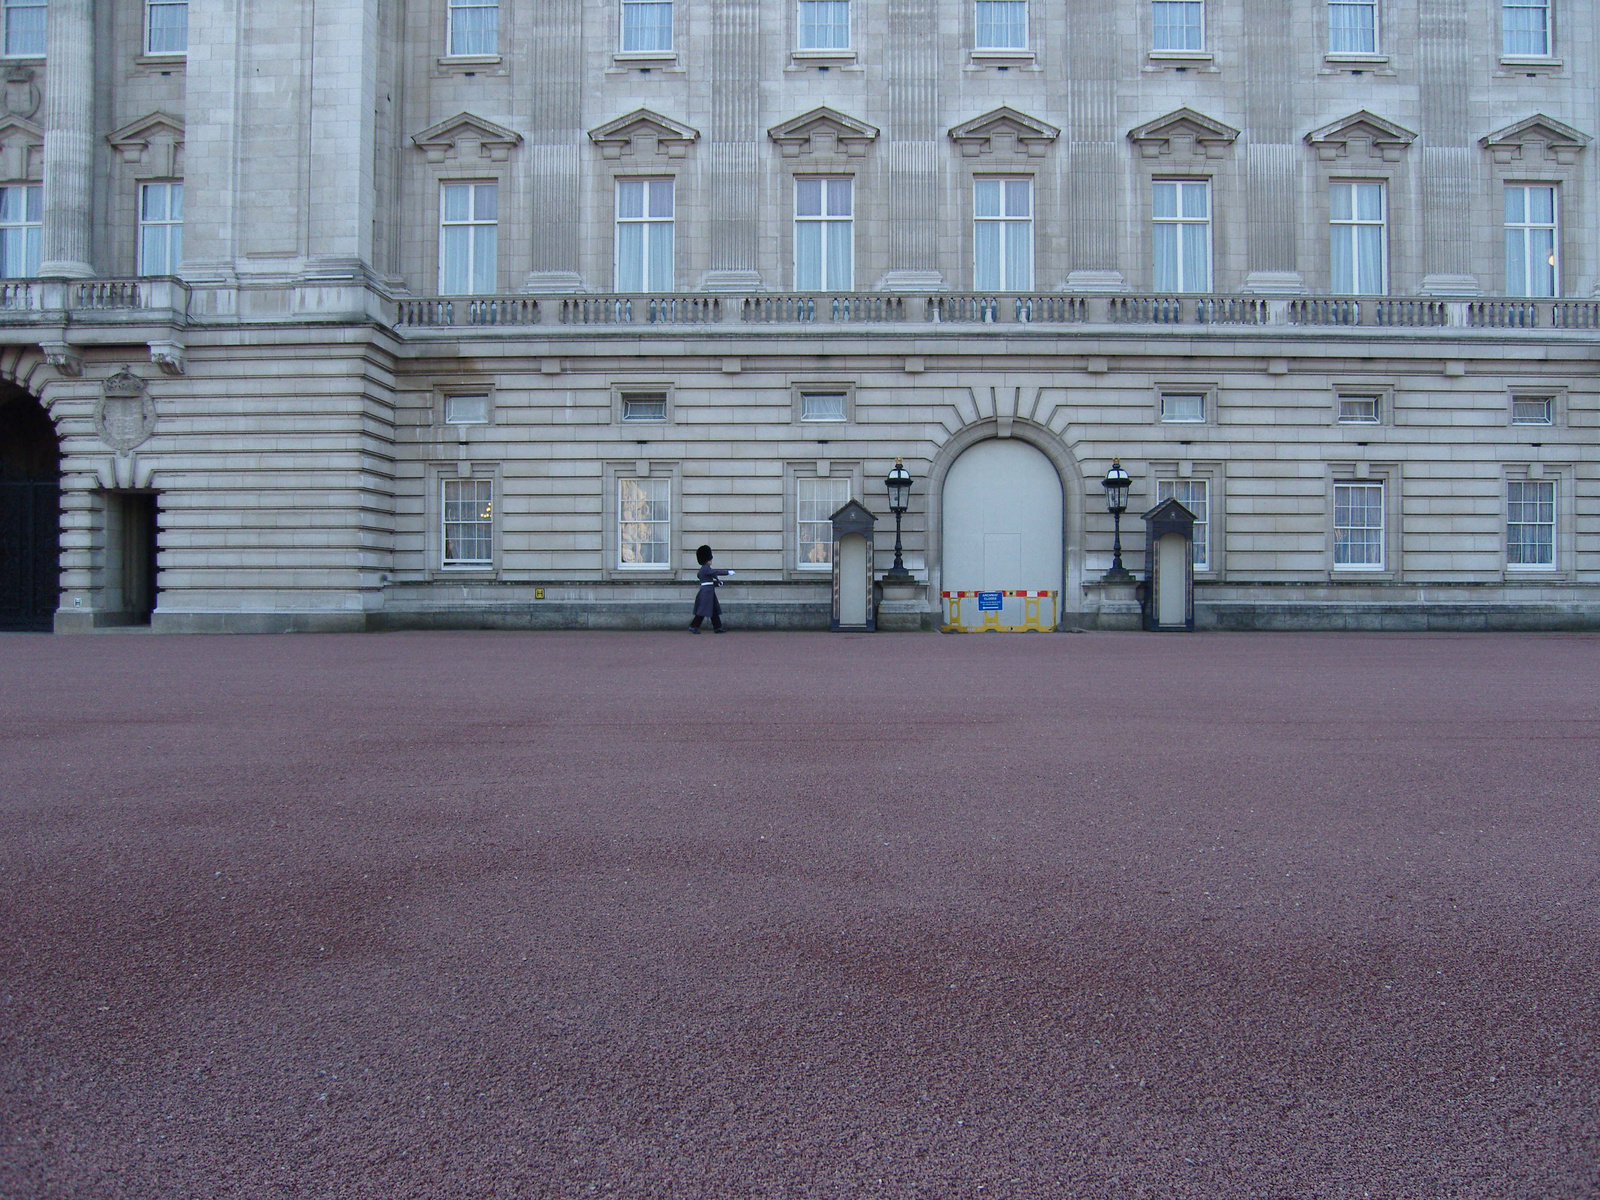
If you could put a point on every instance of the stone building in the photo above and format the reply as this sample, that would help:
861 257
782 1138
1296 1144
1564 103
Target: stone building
382 313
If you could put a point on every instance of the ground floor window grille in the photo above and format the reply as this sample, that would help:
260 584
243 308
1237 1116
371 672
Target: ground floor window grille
644 522
815 501
468 522
1358 526
1531 523
1193 494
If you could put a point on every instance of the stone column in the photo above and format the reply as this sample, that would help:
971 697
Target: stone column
68 139
916 147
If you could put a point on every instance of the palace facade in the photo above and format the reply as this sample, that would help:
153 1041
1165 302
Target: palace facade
365 314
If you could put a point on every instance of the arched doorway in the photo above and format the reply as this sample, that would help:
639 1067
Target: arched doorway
30 513
1002 522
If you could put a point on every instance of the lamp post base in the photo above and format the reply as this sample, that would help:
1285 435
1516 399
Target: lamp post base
1119 575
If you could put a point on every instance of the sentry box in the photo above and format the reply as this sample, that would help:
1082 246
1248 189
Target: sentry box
1168 590
853 610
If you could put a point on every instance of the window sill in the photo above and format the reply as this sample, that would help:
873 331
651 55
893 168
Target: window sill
470 64
22 60
645 60
1356 58
1514 65
824 57
1180 60
1001 58
161 60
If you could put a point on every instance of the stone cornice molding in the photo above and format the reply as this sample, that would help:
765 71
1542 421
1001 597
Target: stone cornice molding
1004 131
1384 139
454 137
823 132
642 133
1183 132
1562 143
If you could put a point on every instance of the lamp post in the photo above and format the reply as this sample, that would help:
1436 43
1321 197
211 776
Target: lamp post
898 482
1116 485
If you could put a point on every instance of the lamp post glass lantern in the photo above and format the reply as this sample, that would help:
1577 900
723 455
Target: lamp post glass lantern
898 482
1116 484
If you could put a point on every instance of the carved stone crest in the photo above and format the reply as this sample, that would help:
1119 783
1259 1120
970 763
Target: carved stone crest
125 415
19 94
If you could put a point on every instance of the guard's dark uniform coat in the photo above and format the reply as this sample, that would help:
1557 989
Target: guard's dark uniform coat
706 603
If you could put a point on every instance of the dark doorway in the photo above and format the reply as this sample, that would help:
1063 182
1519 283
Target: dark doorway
131 555
30 514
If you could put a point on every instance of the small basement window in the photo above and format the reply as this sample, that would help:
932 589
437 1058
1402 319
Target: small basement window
644 406
466 410
1532 410
1358 410
823 406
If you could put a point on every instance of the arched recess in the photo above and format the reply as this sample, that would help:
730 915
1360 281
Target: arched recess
1071 477
30 513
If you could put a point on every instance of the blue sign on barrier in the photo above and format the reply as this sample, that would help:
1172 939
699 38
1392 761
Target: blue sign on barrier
991 601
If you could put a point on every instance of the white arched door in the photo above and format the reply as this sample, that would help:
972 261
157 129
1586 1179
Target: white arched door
1002 520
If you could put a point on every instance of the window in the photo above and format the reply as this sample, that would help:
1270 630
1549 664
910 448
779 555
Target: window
467 230
1359 240
1182 236
815 501
646 26
21 227
1532 410
1525 28
644 235
1358 526
167 27
824 406
1001 25
644 522
1531 523
474 26
1002 234
1179 25
824 24
1530 240
644 406
1353 26
1183 406
824 240
160 228
1360 410
1193 494
25 28
466 410
468 522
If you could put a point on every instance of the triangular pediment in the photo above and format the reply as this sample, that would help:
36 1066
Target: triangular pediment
1004 129
853 512
1180 129
454 134
823 131
21 148
147 129
643 131
1385 139
1170 509
1515 143
21 129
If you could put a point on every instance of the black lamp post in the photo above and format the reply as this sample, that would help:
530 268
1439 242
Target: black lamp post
1116 485
898 482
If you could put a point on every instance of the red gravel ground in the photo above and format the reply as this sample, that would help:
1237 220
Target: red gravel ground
799 915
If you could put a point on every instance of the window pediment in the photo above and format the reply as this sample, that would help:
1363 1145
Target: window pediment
823 131
643 133
21 148
1181 133
456 137
1004 131
152 141
1521 142
1344 138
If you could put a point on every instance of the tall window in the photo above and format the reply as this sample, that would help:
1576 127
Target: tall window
1530 240
474 26
1525 27
24 27
1359 238
644 235
1358 526
824 240
1531 523
1182 235
646 25
1195 495
467 238
1352 26
1179 25
468 522
1002 234
167 26
1001 25
644 522
815 500
160 228
824 24
21 227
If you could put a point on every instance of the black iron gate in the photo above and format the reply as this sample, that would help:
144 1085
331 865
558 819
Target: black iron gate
30 554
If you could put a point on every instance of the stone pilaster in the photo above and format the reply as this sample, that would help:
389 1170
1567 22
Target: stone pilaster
69 140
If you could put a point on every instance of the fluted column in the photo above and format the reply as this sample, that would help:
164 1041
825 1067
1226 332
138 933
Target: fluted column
68 139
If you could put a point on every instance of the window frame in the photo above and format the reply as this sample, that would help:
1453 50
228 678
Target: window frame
649 223
671 49
826 223
1380 567
796 519
33 246
1548 7
452 7
803 50
1555 396
1376 52
1181 222
6 7
174 228
1002 222
1543 478
149 28
445 482
1180 52
1356 223
612 475
982 49
794 471
1527 227
1208 566
1208 403
621 392
474 224
799 390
